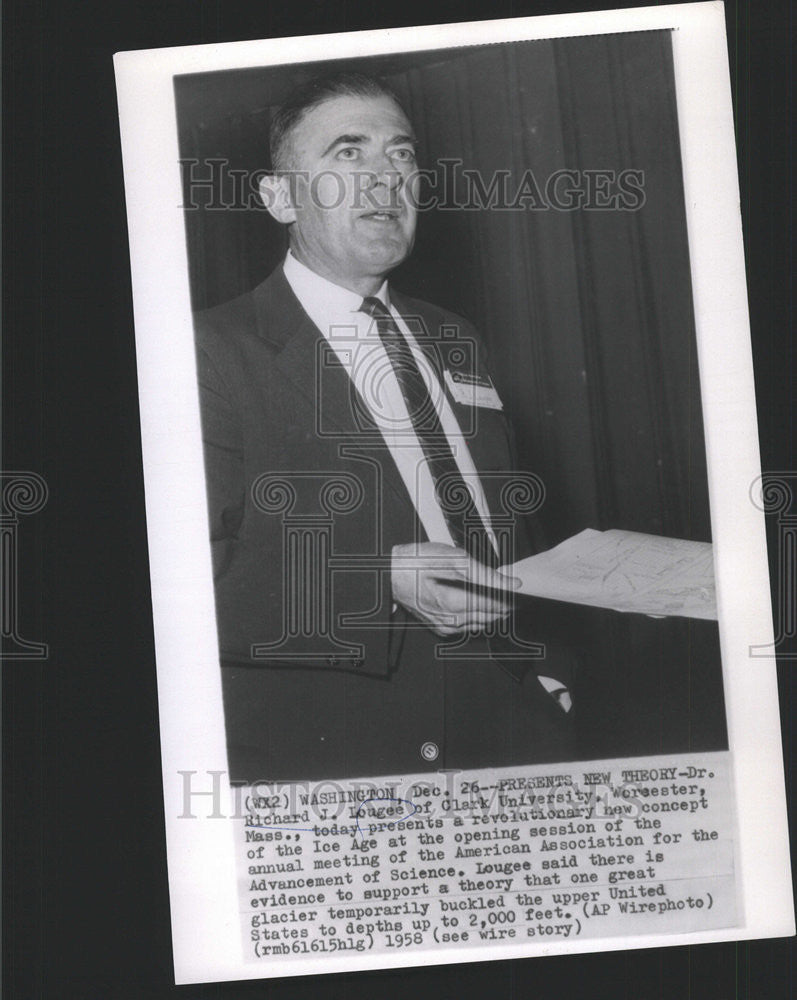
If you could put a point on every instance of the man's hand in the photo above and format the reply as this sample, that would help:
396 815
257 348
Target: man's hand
443 587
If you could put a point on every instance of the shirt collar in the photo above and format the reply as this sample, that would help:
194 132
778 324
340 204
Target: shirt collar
314 291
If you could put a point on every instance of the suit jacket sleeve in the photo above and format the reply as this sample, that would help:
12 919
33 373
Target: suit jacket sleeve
234 372
224 463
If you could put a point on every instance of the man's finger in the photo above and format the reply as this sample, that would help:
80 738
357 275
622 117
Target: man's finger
446 630
486 604
484 576
465 620
443 559
445 599
481 619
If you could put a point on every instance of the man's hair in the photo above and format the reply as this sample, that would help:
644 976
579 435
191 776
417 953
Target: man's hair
310 95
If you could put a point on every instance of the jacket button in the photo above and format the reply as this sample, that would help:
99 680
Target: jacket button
357 662
333 661
430 751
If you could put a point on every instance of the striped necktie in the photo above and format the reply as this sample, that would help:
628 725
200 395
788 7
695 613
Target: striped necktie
462 518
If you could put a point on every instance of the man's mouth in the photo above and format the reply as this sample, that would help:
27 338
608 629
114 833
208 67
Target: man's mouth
382 215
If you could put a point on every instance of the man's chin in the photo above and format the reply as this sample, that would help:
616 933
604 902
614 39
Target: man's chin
388 251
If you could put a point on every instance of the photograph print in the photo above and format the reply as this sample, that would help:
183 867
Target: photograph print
444 323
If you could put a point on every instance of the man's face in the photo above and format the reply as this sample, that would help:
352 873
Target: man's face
354 219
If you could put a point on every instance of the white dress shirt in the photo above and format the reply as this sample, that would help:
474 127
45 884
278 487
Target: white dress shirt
354 337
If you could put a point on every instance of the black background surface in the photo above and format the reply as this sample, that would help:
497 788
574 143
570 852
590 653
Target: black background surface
85 890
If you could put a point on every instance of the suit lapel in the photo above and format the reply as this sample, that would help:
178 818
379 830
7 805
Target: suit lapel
475 423
282 321
308 363
428 337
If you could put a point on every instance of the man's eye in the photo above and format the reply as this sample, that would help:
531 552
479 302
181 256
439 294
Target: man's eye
404 155
348 153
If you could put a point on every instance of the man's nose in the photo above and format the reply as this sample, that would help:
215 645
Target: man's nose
384 172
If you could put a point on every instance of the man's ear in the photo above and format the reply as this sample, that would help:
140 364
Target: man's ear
275 192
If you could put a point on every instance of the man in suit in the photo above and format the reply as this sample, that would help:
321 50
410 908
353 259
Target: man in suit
357 457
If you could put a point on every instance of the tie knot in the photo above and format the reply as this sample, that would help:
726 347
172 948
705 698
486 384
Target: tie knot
374 307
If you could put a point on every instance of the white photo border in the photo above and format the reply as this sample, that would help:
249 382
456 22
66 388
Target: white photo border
203 886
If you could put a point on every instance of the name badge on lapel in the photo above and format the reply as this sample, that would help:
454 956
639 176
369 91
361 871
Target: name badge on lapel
473 390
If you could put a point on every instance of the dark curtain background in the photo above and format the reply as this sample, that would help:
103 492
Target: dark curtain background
587 314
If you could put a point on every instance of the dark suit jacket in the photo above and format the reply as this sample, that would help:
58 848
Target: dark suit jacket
320 676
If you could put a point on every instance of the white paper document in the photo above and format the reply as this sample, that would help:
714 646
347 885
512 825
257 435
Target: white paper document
624 571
